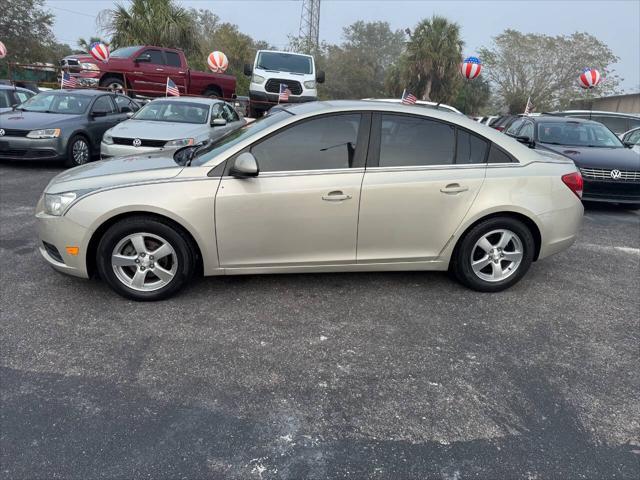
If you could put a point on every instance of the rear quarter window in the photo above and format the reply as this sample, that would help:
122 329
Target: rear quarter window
497 155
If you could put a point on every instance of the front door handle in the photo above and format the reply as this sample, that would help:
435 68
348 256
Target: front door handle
159 69
454 188
335 196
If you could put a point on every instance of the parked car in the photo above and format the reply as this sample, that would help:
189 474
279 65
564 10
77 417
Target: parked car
611 172
61 125
617 122
271 69
421 103
11 96
316 187
503 122
487 120
146 69
632 139
171 123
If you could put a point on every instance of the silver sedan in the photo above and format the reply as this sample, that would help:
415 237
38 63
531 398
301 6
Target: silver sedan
316 187
171 123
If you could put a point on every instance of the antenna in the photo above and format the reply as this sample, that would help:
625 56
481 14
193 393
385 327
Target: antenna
309 34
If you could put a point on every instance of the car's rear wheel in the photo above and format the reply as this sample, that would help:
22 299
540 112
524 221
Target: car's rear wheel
144 258
78 151
494 255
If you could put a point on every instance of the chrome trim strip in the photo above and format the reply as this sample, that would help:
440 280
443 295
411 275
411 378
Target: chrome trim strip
299 173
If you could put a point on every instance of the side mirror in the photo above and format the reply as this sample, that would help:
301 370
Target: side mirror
144 58
218 122
245 165
14 106
320 76
526 140
248 70
629 144
98 113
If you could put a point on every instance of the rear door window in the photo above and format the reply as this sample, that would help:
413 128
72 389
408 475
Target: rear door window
155 55
413 141
103 104
173 59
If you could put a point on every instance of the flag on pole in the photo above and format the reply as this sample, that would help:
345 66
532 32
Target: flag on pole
67 81
283 96
408 98
172 89
529 108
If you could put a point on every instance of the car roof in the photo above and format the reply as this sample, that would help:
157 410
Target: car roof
11 87
202 100
597 112
80 91
418 102
559 119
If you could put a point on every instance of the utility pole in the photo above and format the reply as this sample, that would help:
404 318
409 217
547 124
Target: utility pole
309 34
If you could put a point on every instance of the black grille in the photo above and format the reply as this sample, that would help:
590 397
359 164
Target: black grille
12 132
273 86
145 142
53 252
26 153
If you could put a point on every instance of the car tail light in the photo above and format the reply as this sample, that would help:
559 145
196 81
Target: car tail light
574 182
500 128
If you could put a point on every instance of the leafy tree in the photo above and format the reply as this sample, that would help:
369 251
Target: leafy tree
545 68
430 67
473 96
151 22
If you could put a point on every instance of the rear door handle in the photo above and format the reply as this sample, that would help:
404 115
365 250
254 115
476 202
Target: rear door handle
335 196
159 69
454 188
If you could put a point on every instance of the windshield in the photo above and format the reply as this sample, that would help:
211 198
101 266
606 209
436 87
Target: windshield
175 112
285 62
69 103
217 147
577 134
125 52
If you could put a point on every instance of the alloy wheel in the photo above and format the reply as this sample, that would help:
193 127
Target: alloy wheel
144 262
80 152
496 255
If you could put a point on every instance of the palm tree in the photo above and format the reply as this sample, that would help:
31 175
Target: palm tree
86 44
151 22
432 59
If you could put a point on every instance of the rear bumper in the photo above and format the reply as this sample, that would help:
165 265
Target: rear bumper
559 229
22 148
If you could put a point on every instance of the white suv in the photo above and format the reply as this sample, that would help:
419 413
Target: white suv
271 69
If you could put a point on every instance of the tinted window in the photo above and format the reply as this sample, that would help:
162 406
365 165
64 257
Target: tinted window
633 137
527 130
125 52
5 100
67 103
173 59
230 114
322 143
124 104
103 104
616 124
634 124
498 156
407 141
155 55
284 62
513 129
470 148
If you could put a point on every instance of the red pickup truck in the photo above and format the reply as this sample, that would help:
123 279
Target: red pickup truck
143 71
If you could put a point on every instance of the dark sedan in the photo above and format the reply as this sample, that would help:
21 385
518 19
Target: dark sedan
610 170
62 125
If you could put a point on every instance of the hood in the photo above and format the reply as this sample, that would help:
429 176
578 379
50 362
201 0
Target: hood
598 157
116 172
158 130
111 63
34 120
300 77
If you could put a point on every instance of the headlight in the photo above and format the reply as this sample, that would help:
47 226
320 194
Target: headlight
310 84
107 138
46 133
90 66
55 204
257 79
181 142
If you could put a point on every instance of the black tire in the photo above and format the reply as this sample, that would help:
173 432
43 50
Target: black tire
462 256
182 245
213 93
76 144
115 84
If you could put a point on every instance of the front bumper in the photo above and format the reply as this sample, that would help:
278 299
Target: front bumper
23 148
264 100
55 234
615 191
114 150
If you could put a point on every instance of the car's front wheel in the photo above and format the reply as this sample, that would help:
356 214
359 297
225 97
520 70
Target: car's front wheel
78 151
145 258
494 255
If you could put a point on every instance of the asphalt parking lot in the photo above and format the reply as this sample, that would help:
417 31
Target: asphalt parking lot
371 375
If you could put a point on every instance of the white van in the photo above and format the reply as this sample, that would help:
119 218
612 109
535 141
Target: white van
274 68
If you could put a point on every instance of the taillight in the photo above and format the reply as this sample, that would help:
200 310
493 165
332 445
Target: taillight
574 182
499 128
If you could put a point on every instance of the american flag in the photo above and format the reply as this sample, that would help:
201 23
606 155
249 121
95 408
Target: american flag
284 93
67 81
172 89
529 108
408 98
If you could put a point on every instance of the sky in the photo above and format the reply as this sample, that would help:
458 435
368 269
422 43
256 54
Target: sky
615 22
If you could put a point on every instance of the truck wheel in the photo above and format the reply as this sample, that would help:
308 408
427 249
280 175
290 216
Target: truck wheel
115 84
255 113
213 93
